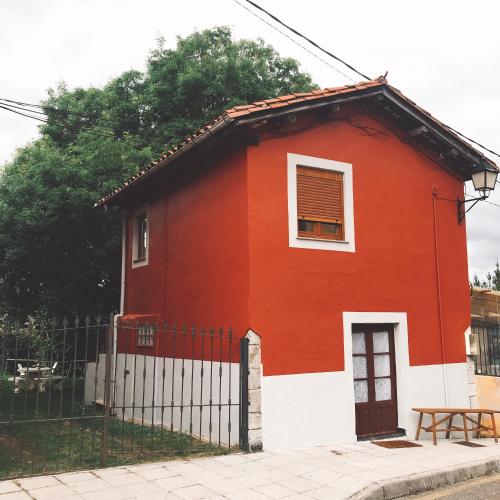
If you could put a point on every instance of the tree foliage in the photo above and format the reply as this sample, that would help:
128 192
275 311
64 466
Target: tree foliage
491 281
57 253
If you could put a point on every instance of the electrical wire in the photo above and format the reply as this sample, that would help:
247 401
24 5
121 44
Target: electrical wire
314 44
24 114
324 61
485 201
49 122
474 142
275 18
65 112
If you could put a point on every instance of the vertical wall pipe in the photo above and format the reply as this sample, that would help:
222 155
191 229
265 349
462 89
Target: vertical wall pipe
438 286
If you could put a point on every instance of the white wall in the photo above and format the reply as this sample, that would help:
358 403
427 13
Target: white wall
154 385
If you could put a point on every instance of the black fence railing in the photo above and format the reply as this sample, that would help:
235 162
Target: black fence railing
88 394
486 335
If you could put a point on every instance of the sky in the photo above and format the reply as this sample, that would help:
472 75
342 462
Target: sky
445 55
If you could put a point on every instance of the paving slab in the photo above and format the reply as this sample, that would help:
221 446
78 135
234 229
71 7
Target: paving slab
353 471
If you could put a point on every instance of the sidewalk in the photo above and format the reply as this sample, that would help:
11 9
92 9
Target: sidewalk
361 470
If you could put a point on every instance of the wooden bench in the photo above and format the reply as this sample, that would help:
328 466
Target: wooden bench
449 414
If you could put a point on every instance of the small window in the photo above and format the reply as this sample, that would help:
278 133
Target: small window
140 240
142 236
320 204
145 336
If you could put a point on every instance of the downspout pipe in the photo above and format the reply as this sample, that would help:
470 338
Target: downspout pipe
122 297
438 289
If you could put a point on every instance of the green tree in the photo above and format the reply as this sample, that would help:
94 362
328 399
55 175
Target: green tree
59 255
492 280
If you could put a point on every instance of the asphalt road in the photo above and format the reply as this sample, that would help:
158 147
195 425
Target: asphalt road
483 488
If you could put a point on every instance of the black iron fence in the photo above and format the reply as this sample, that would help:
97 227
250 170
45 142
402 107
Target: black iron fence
86 394
486 342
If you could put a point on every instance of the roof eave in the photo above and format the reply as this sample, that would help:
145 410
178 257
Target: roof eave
437 128
112 199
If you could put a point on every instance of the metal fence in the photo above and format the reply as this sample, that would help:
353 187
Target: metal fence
486 340
86 394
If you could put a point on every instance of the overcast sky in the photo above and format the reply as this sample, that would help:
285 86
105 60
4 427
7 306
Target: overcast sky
443 54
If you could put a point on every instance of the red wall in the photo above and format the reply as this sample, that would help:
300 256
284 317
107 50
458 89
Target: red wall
198 255
297 296
219 251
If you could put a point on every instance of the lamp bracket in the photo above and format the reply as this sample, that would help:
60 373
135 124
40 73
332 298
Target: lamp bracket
461 206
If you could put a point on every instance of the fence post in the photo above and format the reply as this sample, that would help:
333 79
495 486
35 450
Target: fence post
244 393
107 393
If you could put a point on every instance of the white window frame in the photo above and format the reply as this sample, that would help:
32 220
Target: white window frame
296 241
146 336
135 236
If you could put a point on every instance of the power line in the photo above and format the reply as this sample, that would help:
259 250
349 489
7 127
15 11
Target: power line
49 122
294 41
486 201
474 142
314 44
24 114
255 5
65 112
23 108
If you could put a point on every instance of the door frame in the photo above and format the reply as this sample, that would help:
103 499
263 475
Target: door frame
370 328
400 325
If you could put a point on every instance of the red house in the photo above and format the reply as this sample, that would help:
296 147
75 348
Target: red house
328 224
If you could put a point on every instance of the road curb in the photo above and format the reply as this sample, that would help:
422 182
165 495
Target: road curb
426 481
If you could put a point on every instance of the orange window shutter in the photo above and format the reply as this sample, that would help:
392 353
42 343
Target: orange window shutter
319 195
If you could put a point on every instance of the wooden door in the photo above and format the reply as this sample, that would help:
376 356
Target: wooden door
374 369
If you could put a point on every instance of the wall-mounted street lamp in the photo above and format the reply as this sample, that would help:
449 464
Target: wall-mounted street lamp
484 179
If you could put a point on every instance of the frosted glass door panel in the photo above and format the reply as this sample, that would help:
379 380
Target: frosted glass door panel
380 342
382 363
361 391
359 367
358 343
383 389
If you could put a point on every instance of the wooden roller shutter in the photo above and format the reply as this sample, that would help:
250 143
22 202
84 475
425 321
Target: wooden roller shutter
319 195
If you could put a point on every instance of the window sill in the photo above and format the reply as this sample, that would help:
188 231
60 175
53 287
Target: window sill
310 238
139 262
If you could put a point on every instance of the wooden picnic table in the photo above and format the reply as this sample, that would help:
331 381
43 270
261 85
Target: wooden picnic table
449 415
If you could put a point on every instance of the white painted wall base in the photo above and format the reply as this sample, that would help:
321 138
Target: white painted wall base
317 409
156 390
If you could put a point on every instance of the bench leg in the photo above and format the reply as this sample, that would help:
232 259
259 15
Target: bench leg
419 426
434 440
450 421
494 425
478 433
466 432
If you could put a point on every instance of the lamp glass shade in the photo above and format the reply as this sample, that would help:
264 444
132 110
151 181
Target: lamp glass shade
484 180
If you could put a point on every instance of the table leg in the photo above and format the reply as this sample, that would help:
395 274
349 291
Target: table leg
419 426
494 425
466 432
450 421
434 440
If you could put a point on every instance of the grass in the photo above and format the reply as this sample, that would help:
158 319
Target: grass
37 439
